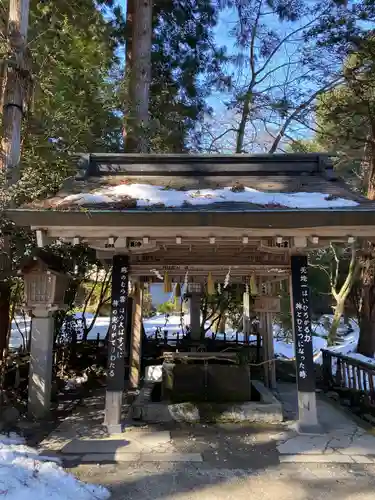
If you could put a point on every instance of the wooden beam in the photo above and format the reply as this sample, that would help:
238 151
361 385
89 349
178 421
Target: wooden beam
163 232
254 220
299 242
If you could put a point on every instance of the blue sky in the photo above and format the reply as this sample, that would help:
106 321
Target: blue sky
217 99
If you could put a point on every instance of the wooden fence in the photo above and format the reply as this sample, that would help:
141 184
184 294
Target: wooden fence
356 378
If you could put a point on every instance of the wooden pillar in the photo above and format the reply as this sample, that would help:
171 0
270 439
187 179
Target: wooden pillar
136 339
116 344
265 342
300 302
195 315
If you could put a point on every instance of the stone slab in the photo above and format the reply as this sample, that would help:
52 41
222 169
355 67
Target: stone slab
78 446
129 442
54 444
303 445
358 450
344 442
171 457
149 438
117 457
361 459
120 457
332 458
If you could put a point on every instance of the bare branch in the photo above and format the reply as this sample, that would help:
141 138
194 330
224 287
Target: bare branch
288 37
301 108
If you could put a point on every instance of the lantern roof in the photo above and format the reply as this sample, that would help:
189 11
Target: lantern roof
41 259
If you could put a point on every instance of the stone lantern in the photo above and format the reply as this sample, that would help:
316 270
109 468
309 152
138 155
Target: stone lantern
45 287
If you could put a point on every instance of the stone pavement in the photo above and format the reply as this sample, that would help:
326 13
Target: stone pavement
343 440
81 439
220 462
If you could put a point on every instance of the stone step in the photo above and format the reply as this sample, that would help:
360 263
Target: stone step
121 457
327 458
128 442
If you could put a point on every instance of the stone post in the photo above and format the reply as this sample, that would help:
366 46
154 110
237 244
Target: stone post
136 339
41 357
300 302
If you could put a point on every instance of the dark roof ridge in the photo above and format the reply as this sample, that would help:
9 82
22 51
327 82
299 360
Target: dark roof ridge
99 164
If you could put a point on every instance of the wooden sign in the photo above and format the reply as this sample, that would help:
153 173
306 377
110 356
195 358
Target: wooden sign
117 329
182 260
267 304
302 325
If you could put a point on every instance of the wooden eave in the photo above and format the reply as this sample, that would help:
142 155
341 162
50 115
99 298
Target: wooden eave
290 219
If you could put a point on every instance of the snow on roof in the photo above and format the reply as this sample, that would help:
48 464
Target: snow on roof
146 195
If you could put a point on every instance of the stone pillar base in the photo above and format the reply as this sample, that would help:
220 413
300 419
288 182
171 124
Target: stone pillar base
307 414
113 407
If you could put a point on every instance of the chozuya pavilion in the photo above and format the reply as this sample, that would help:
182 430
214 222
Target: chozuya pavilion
253 217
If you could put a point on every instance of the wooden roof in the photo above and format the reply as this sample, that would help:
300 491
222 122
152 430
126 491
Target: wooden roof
177 174
281 173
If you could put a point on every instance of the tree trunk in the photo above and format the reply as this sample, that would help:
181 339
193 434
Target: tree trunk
339 311
140 78
371 173
222 323
16 85
343 294
129 35
5 292
128 64
366 343
15 79
243 122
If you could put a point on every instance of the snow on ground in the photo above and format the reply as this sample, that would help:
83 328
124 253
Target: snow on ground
26 476
147 195
348 336
363 359
21 328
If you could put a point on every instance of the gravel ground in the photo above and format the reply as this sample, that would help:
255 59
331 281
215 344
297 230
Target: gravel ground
204 482
239 462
